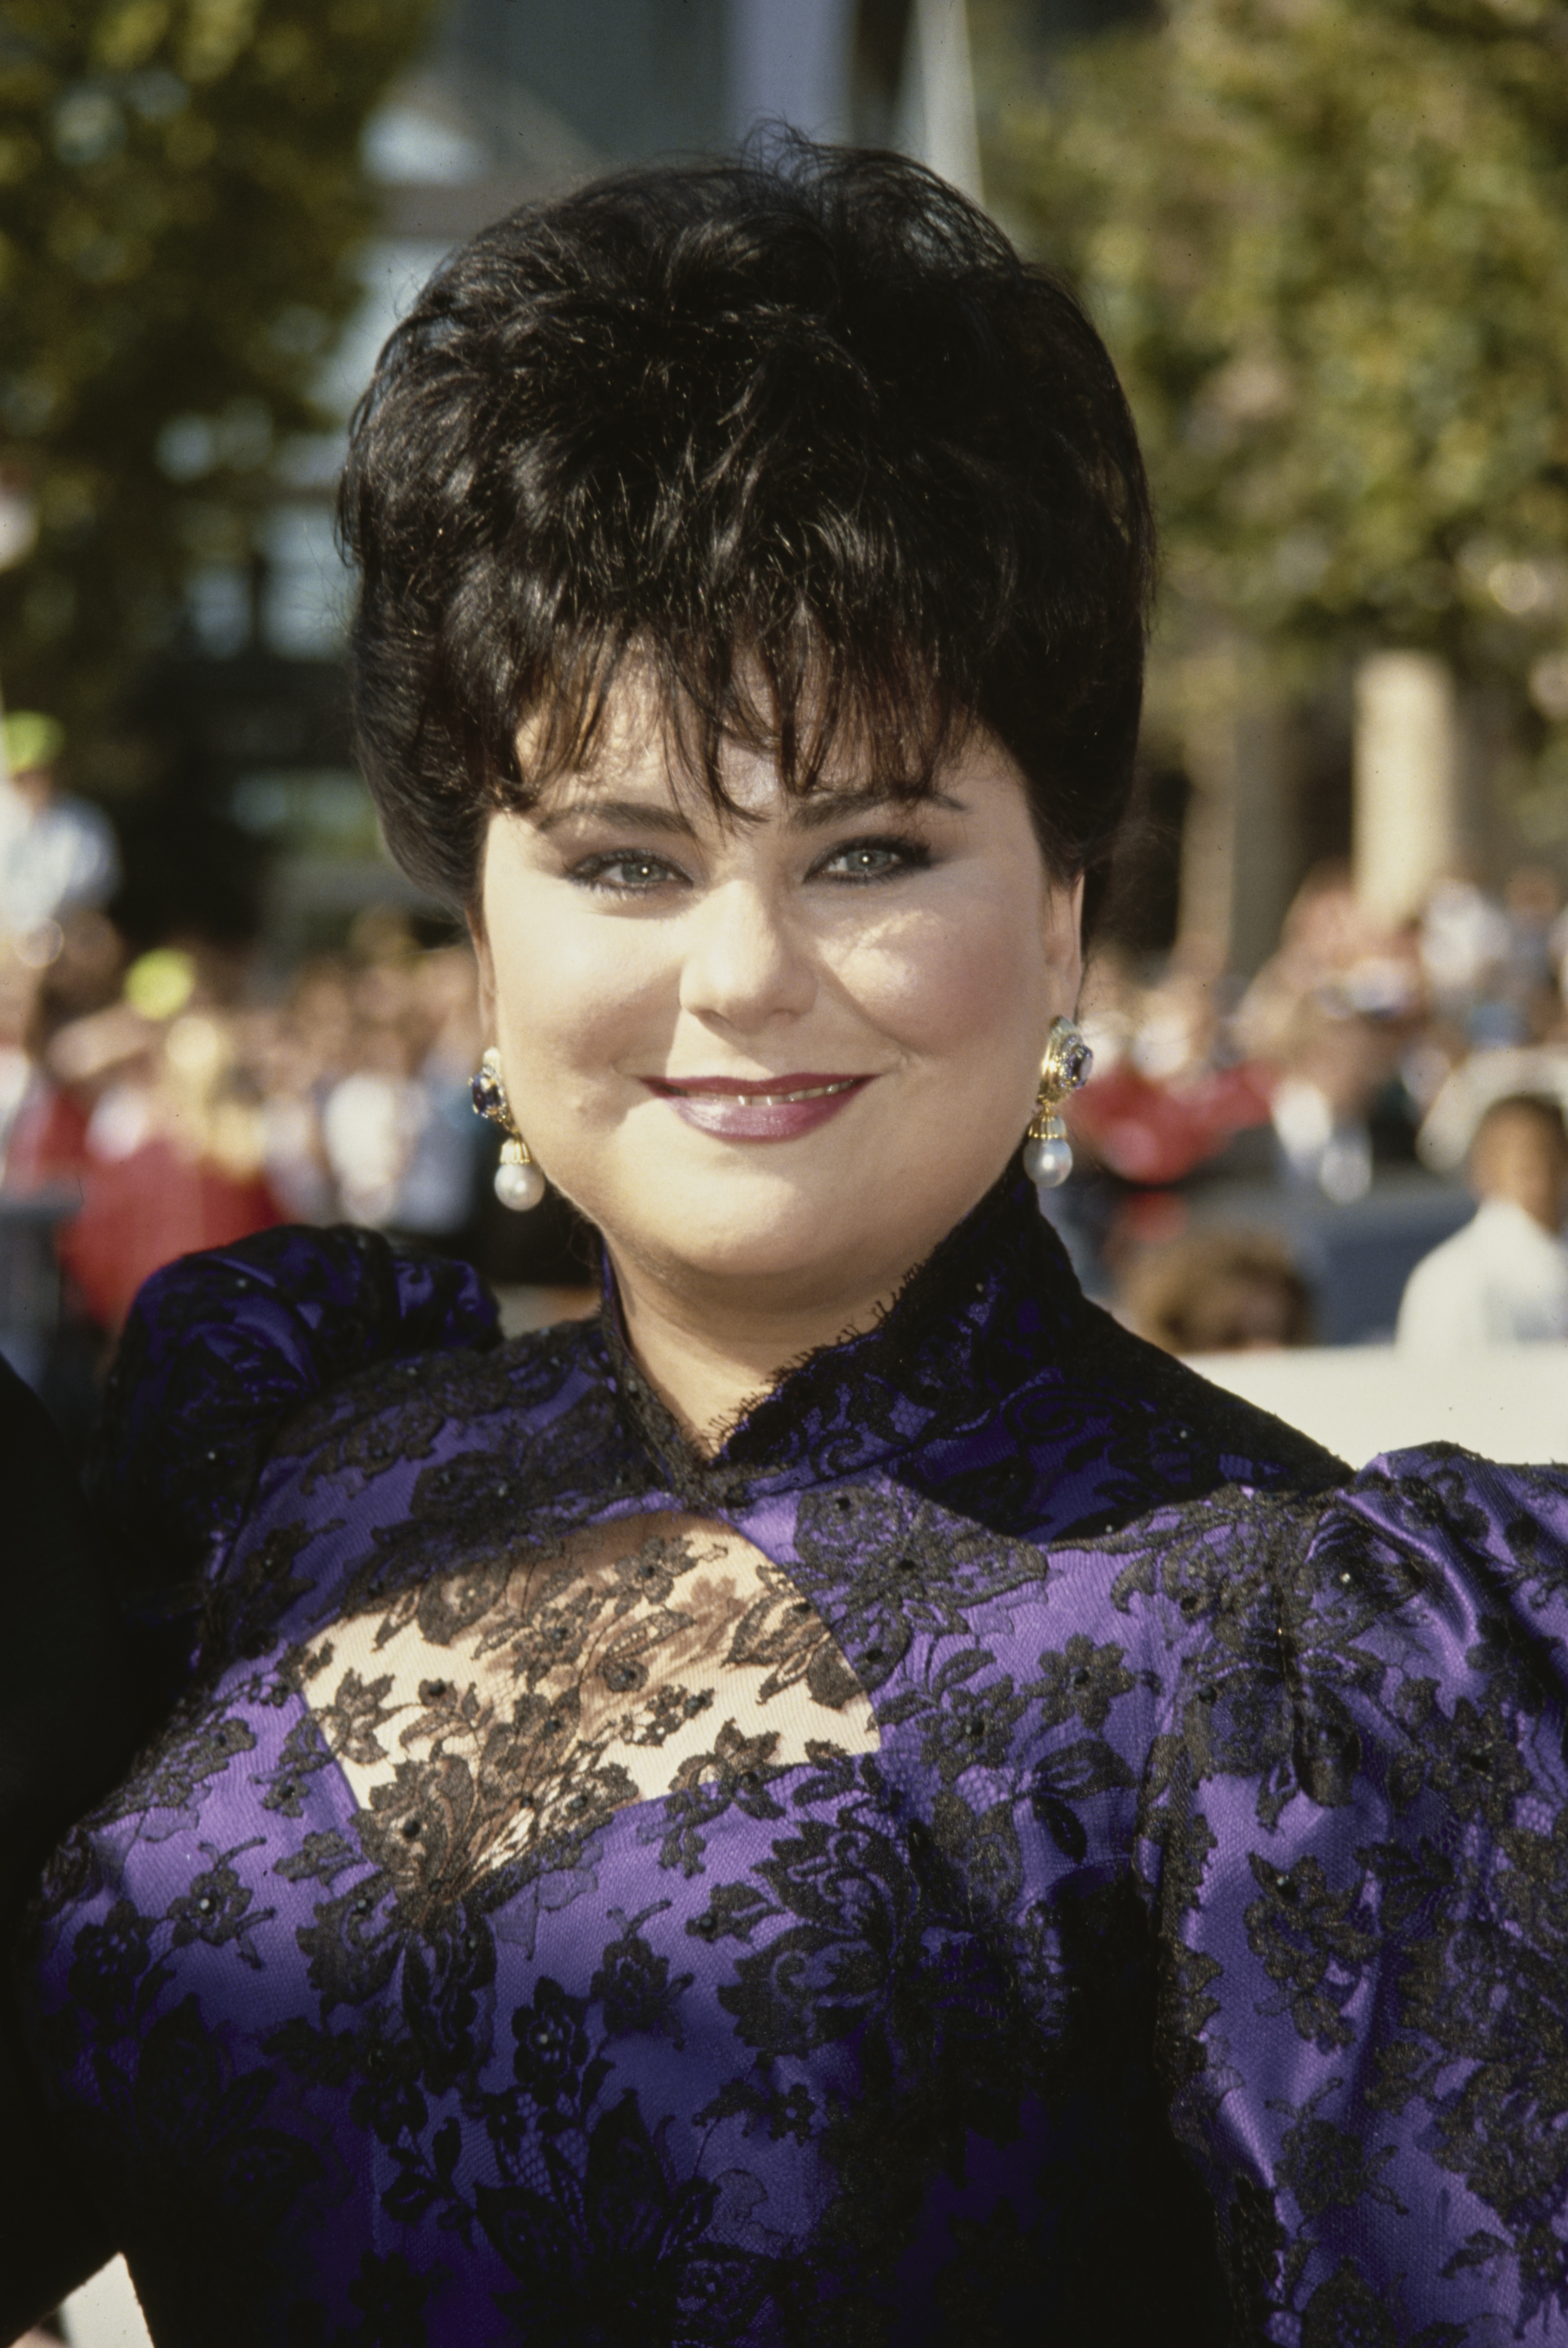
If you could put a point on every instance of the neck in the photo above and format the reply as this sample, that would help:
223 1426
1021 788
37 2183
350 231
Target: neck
710 1357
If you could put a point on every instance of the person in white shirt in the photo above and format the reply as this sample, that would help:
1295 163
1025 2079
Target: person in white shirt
1504 1279
57 854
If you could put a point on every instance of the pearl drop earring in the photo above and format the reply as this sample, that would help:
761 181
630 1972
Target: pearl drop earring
1046 1152
518 1182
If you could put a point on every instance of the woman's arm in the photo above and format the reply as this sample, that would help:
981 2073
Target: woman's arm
96 1608
1361 1819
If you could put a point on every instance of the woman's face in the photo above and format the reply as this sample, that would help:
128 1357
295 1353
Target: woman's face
784 1052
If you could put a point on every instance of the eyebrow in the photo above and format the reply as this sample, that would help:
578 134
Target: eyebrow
815 813
645 815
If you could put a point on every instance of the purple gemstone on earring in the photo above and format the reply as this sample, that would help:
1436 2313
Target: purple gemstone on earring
1076 1064
486 1093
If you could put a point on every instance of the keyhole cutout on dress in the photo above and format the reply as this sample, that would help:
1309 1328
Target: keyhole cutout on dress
543 1688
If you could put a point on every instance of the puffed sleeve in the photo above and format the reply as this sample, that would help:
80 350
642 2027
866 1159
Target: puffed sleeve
220 1350
1357 1843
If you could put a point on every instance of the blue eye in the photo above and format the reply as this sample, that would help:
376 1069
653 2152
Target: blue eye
625 872
876 860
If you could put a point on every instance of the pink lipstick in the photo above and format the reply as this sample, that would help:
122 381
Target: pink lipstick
770 1108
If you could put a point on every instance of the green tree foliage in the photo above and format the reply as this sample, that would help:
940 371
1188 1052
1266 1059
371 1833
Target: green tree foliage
180 206
1328 242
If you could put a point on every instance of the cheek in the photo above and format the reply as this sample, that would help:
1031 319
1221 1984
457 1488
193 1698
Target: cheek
970 985
575 994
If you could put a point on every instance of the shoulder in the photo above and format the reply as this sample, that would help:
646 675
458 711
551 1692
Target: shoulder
422 1470
1467 1244
1357 1804
1430 1582
1344 1652
1229 1441
463 1404
223 1348
1433 1528
1502 1528
1103 1430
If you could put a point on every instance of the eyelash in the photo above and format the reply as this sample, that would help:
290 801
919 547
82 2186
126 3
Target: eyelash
909 855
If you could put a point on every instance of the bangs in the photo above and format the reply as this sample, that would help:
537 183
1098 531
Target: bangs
822 720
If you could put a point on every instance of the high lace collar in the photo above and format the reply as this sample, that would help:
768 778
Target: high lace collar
994 1304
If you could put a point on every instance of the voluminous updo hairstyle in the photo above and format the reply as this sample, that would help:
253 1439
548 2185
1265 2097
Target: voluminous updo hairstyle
800 435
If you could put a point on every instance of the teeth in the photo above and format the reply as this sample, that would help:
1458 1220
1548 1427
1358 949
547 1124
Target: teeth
812 1092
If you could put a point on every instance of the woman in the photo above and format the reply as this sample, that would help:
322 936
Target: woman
847 1800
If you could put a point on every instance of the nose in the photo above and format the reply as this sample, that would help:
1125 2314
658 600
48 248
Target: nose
745 966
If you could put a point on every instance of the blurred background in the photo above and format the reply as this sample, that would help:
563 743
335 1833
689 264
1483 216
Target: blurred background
1327 242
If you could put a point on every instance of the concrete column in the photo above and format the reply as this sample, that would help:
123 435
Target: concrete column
1265 869
1238 841
938 108
1406 821
789 61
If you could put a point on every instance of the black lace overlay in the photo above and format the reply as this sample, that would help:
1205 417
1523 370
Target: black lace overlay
1017 1845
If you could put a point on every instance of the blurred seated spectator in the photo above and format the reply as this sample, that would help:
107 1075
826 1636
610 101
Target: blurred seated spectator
1217 1292
1152 1133
57 854
1331 956
151 1113
399 1135
1467 943
1504 1279
1163 1100
372 1123
1335 1063
1471 1088
1490 966
1532 901
18 991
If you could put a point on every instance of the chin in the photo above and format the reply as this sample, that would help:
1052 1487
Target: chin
802 1244
828 1239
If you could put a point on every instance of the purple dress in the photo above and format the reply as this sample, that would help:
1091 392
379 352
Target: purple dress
1020 1847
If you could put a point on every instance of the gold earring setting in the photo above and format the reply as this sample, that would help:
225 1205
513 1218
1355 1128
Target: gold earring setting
1046 1152
519 1184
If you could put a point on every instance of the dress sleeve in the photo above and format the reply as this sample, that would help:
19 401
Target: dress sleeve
220 1350
1358 1836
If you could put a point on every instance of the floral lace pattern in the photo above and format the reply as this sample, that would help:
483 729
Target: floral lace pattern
1018 1845
483 1712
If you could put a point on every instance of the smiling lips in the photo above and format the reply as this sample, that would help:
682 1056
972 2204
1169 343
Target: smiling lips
778 1109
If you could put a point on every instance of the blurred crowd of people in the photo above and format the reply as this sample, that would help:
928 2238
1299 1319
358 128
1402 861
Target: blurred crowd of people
184 1114
180 1097
184 1097
1355 1048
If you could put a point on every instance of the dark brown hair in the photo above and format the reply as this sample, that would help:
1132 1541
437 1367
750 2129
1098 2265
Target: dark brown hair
1546 1111
1198 1294
800 432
